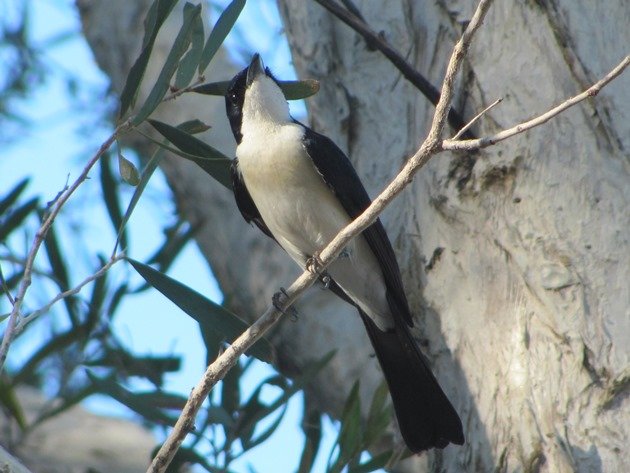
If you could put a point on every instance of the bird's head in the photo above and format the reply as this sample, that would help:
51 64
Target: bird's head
254 96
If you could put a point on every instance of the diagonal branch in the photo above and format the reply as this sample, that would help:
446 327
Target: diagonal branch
217 370
10 330
375 41
468 145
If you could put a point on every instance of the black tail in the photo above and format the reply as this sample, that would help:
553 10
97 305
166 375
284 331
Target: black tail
425 415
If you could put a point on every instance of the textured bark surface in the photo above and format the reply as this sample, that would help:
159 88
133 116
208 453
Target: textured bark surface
517 269
527 300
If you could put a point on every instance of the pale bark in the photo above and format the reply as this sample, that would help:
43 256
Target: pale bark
525 313
528 303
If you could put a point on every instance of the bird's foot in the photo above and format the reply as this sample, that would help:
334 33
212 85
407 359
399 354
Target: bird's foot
277 301
314 264
325 279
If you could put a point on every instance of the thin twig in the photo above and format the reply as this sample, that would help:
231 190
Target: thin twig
25 320
200 80
467 145
9 332
475 118
376 41
5 287
225 361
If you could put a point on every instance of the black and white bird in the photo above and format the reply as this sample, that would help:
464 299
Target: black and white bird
300 189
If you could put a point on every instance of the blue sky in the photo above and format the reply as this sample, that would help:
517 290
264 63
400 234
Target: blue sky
60 138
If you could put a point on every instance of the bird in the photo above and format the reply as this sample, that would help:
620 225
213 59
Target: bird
300 189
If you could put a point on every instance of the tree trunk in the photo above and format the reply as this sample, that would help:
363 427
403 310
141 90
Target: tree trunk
516 261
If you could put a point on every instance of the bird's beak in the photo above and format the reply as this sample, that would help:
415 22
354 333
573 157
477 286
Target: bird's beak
256 68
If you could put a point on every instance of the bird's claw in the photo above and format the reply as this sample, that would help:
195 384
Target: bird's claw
314 264
276 300
325 279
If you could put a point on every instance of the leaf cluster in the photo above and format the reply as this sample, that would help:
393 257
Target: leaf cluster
83 356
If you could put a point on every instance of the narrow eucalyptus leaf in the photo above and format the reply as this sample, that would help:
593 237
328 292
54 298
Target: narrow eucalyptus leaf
109 187
170 66
292 89
223 26
13 195
9 402
203 310
312 428
190 61
215 163
350 437
159 11
193 126
130 399
14 219
213 88
299 89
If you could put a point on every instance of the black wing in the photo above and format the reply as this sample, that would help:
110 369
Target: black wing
244 201
339 174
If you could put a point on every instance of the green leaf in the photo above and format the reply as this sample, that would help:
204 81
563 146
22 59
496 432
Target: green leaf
248 420
109 187
209 159
60 272
230 390
13 195
130 399
193 126
203 310
9 401
67 400
176 238
128 171
190 61
162 399
265 434
55 345
97 301
223 26
218 415
147 172
379 416
312 428
184 457
213 88
152 368
349 439
292 89
350 436
299 89
15 218
159 11
170 66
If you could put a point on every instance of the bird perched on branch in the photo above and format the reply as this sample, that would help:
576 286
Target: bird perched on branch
300 189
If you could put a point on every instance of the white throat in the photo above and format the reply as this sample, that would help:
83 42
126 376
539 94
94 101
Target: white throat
264 105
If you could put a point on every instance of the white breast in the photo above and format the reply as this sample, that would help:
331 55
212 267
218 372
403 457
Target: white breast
303 214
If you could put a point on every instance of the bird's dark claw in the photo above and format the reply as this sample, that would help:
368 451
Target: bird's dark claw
325 279
276 300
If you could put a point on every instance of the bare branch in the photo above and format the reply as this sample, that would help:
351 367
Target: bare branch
476 117
63 295
217 370
9 333
469 145
354 20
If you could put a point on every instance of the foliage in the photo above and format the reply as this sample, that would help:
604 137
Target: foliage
84 357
